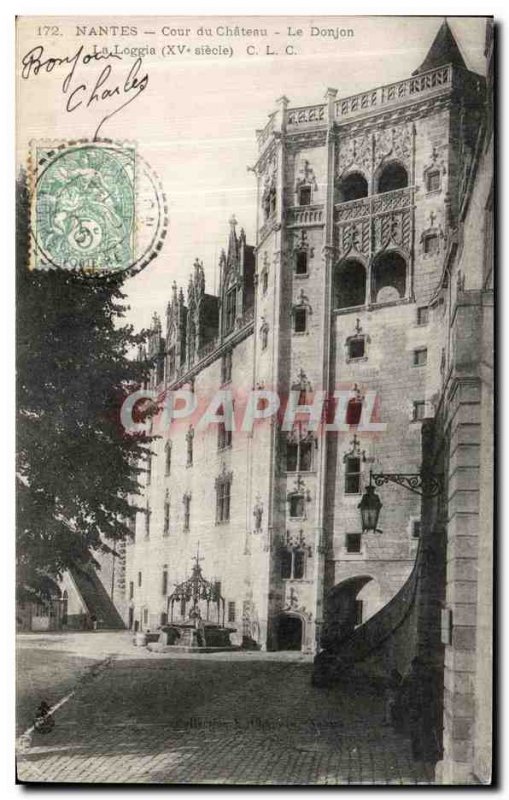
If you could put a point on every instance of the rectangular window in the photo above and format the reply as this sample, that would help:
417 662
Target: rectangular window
301 263
423 315
356 347
149 470
164 587
286 564
231 611
433 181
217 591
358 612
147 522
298 564
292 456
353 542
189 438
431 244
223 501
139 578
299 320
305 195
419 410
167 459
145 616
226 367
265 281
187 512
131 590
352 475
297 506
416 528
166 520
420 357
306 456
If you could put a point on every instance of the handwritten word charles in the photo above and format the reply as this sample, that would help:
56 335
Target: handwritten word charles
88 93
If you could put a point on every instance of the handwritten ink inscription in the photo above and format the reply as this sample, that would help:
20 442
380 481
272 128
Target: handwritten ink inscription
86 93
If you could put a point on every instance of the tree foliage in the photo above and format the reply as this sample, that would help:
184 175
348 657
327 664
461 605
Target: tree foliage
77 469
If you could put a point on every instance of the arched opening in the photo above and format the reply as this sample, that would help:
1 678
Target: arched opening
352 187
350 284
344 611
393 176
289 632
389 278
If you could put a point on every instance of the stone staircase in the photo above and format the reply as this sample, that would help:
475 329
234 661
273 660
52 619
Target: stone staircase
96 598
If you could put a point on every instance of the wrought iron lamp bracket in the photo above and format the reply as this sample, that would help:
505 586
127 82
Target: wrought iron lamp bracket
424 485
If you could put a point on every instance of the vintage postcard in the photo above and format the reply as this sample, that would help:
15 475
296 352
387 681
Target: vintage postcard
255 400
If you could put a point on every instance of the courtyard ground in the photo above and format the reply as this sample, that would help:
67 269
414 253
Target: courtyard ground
226 718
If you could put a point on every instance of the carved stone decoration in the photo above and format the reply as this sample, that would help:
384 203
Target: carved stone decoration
393 143
306 177
393 230
353 238
300 243
355 155
292 603
302 301
436 163
355 450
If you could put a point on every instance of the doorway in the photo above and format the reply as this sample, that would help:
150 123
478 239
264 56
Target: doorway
289 633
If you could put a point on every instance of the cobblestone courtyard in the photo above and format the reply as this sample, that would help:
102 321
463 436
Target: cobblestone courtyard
243 718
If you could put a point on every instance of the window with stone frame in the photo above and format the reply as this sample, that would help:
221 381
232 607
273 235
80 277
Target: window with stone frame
353 542
353 472
297 506
433 180
131 590
300 320
423 315
224 432
231 611
223 498
139 578
164 586
419 410
301 262
356 347
264 335
420 357
293 563
299 454
167 458
430 244
149 469
304 195
416 528
166 515
187 511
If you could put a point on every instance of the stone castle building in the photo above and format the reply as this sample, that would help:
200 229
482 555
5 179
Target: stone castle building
363 278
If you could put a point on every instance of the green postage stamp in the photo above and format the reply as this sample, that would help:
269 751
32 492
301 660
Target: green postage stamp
95 207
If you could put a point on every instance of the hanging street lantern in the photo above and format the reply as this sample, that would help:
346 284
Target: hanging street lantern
370 507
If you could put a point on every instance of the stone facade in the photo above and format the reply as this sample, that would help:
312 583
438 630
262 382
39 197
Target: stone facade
360 205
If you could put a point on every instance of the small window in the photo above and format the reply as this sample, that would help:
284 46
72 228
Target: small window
358 612
265 281
166 516
147 522
299 320
167 460
420 357
431 244
286 564
298 564
292 456
226 367
297 506
352 475
419 410
217 591
223 501
187 511
423 315
145 616
356 347
416 528
301 263
353 411
189 438
305 195
265 337
231 611
183 607
149 470
164 587
139 578
353 543
131 590
306 456
433 181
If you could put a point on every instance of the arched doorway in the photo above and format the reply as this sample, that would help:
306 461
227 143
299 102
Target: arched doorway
289 632
353 186
344 611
